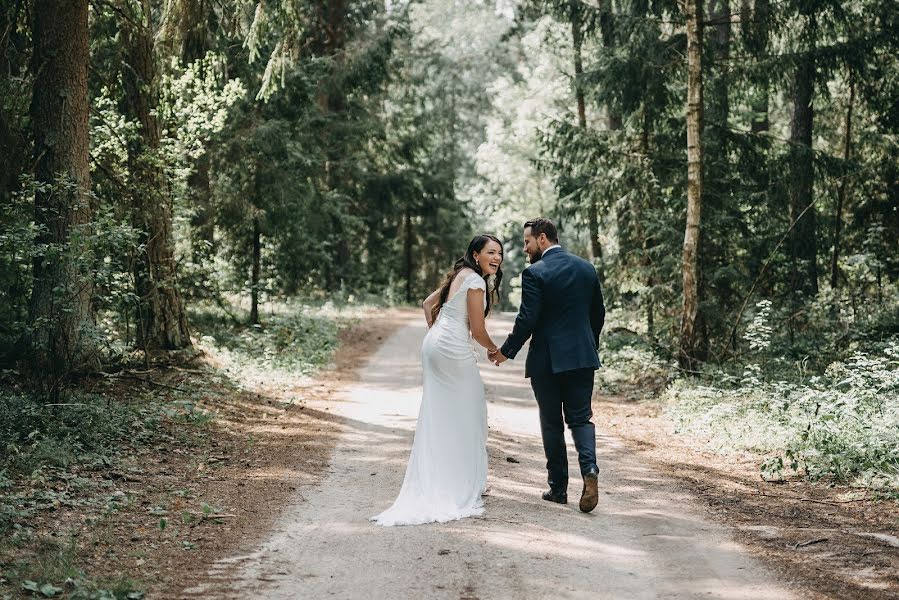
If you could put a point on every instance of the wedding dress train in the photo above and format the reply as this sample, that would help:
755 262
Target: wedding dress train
447 469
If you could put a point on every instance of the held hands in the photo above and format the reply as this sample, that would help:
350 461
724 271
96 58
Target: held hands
496 356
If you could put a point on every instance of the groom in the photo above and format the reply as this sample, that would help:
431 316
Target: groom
562 311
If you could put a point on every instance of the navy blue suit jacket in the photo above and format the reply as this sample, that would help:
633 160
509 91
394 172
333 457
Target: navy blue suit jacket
562 311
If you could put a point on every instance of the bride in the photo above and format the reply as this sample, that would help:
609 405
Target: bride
447 470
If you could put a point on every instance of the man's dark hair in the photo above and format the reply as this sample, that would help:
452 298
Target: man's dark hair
541 225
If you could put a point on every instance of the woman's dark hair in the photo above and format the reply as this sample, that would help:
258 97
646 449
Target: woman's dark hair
468 262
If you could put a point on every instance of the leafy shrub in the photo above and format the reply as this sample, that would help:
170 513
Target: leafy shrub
295 339
85 429
842 425
631 365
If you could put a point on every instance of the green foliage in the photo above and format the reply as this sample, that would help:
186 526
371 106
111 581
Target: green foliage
842 425
295 338
52 572
84 429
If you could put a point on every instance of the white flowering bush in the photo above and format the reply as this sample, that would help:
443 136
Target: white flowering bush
842 425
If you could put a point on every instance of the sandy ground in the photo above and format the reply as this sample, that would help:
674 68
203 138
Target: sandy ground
648 538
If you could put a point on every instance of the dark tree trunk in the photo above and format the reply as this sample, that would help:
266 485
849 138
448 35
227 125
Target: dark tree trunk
755 26
719 211
688 353
407 252
12 143
841 196
194 24
254 275
803 237
194 27
162 321
577 42
60 316
203 220
328 40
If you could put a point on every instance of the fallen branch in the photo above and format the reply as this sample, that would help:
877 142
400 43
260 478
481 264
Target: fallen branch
809 543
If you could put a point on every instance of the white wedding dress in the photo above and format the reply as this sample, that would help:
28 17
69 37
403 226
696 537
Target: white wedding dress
447 470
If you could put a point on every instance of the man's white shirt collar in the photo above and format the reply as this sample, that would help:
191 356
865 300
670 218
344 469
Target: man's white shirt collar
550 248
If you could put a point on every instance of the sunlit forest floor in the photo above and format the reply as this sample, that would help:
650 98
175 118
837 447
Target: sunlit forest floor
829 537
201 458
196 450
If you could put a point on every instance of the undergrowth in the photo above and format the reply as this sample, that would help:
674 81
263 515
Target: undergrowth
824 409
67 456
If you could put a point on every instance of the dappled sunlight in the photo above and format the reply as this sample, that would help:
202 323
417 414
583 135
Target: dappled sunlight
633 545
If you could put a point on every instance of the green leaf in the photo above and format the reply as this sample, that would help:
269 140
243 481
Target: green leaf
49 590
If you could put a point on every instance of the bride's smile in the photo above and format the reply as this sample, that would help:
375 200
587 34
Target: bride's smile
490 258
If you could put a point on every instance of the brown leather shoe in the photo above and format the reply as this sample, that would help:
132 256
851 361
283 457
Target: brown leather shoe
590 495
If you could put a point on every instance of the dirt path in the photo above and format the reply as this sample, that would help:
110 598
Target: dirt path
646 539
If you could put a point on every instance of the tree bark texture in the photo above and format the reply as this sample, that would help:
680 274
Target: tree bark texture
689 342
13 146
803 237
755 28
161 319
720 213
407 252
60 312
841 195
255 272
577 39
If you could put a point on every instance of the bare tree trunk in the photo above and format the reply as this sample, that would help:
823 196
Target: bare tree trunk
719 211
60 314
755 25
841 196
256 269
13 148
162 321
689 342
577 42
328 40
407 252
803 238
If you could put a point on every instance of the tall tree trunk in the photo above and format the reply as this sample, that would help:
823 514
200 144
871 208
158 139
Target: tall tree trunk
755 26
328 41
803 237
12 143
193 25
841 196
407 252
689 342
162 321
60 313
255 272
194 19
720 214
574 11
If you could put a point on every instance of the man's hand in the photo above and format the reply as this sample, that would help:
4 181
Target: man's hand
497 357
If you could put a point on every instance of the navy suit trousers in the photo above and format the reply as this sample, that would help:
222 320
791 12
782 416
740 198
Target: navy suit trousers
566 394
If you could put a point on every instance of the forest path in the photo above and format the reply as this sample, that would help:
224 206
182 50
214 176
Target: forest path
646 539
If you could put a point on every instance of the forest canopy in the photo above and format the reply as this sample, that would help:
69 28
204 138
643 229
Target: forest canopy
716 161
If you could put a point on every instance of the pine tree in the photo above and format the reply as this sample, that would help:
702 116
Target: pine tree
61 317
